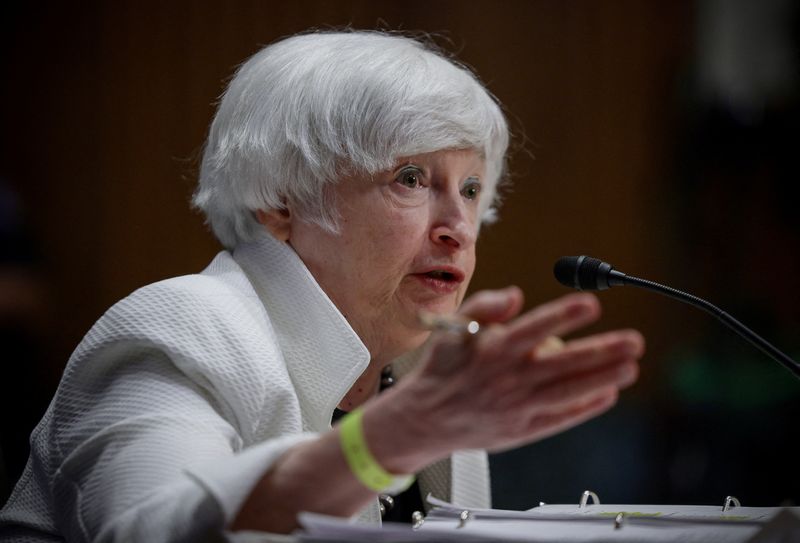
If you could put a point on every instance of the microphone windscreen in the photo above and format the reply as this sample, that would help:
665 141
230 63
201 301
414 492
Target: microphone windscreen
581 272
565 269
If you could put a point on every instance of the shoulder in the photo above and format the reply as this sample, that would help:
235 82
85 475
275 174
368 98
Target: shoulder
210 328
202 323
220 300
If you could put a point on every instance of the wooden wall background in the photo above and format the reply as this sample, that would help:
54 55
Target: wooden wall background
105 106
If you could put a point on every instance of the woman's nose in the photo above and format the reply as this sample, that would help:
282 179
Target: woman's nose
453 225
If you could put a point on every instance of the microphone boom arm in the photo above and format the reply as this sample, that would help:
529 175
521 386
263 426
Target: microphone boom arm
763 345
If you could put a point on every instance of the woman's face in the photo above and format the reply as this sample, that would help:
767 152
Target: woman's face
406 244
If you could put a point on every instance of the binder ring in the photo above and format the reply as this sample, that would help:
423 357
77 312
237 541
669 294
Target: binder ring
585 499
730 503
464 517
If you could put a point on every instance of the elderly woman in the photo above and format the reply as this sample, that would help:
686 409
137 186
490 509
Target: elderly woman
347 175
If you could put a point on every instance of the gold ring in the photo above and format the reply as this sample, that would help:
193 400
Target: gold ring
550 345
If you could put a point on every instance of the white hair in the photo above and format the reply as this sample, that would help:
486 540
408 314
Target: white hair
307 109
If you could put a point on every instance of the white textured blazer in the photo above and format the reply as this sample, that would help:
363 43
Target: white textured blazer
183 394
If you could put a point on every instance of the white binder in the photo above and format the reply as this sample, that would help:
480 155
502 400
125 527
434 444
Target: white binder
586 521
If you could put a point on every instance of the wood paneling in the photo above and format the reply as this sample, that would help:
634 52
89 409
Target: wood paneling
106 105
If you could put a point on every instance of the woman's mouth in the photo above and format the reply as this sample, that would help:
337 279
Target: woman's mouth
441 281
441 274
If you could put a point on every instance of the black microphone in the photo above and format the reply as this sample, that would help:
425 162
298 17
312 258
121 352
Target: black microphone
587 273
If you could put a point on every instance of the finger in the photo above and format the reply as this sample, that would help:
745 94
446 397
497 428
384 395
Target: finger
587 353
561 391
564 393
555 318
542 426
493 305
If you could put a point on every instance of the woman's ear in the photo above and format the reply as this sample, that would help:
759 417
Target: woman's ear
277 221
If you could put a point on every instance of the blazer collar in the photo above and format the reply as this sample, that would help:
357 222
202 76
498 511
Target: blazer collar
323 354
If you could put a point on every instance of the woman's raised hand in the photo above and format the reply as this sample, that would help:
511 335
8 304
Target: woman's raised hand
500 388
496 389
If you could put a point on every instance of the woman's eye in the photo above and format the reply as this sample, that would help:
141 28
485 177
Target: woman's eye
471 189
409 178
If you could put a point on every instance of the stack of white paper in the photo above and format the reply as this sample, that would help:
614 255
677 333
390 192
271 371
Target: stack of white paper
569 523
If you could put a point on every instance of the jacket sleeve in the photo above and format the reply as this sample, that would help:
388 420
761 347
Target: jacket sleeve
169 412
148 455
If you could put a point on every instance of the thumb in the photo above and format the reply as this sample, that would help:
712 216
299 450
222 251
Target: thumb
493 305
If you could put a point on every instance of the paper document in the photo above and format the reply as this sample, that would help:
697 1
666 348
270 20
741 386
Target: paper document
448 522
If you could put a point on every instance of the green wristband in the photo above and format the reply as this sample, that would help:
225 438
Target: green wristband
362 463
